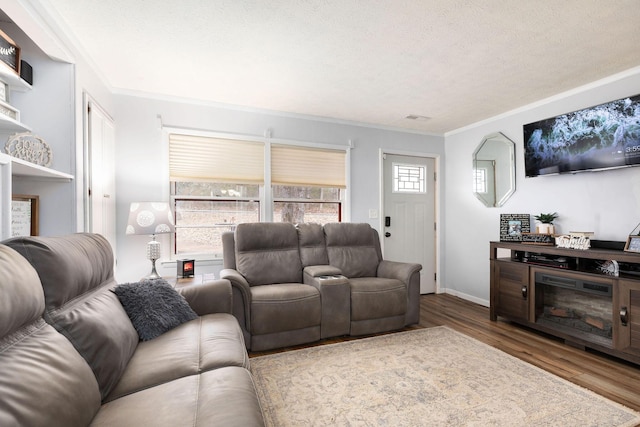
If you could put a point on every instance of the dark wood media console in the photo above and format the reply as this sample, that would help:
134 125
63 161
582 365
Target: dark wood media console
569 294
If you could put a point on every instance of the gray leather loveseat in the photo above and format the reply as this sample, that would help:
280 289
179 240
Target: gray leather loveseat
70 356
299 284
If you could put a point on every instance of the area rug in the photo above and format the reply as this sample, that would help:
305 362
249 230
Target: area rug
426 377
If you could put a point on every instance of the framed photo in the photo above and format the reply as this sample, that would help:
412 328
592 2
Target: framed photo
512 226
9 52
633 244
24 215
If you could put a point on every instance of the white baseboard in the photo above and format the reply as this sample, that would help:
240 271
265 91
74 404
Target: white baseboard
467 297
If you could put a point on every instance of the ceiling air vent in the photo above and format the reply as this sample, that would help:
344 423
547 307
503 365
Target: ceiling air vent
417 117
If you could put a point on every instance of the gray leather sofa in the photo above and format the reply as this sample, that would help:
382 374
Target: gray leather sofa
299 284
69 355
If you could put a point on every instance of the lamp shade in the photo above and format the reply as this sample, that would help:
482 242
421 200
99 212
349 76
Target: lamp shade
149 218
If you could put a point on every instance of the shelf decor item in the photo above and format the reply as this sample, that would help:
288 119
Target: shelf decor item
9 111
538 239
29 147
24 215
9 52
4 91
545 223
150 218
633 241
575 240
512 226
609 267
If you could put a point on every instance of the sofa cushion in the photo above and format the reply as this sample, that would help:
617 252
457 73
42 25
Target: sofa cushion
154 307
268 253
312 245
221 397
353 248
43 379
374 297
76 272
208 342
284 307
21 297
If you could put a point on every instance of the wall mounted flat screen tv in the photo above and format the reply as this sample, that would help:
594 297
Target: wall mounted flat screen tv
602 137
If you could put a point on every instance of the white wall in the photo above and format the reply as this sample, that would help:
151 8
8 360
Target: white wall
48 110
141 159
54 110
605 202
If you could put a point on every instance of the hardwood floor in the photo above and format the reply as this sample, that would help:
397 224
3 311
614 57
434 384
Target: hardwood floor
612 378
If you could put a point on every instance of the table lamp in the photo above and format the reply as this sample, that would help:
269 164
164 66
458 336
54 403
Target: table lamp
150 218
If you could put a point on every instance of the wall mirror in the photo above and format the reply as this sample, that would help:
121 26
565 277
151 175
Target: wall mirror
494 177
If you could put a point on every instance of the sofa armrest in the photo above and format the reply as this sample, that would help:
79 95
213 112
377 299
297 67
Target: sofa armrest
212 296
240 287
335 294
398 270
321 270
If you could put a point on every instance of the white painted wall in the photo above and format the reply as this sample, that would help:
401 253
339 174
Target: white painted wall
53 109
141 160
605 202
48 110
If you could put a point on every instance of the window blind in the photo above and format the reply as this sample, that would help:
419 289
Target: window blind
197 158
291 165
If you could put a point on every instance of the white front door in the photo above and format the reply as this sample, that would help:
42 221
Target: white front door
408 218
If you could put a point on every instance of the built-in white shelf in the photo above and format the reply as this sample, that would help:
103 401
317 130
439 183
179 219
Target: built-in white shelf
12 78
21 167
12 168
10 125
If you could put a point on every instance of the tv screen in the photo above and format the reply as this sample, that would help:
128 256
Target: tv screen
601 137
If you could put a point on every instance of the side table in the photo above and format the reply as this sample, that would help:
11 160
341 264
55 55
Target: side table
181 282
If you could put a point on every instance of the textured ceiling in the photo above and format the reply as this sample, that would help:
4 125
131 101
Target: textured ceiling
370 61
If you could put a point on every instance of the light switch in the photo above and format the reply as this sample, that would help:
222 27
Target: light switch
373 213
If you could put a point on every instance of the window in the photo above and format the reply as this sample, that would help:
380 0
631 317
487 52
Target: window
203 211
409 178
297 204
480 180
217 183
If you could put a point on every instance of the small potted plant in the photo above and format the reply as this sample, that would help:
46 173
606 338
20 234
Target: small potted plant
545 223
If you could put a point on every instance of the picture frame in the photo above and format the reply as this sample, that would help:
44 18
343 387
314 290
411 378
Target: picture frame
633 244
512 226
25 219
9 52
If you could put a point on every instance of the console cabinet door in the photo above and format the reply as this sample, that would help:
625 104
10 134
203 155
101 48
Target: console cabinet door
512 291
628 317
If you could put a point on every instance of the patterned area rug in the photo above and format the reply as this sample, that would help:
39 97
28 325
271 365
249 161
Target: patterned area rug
426 377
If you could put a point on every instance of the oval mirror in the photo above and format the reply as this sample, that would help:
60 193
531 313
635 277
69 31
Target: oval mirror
494 177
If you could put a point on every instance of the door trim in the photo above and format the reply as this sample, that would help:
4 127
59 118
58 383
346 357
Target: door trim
437 201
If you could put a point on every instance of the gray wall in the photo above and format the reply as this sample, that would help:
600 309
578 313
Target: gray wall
141 159
605 202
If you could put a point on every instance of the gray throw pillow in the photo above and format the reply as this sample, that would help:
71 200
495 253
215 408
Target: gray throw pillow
153 306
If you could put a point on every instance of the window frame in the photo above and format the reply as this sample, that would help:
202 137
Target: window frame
480 183
265 198
422 178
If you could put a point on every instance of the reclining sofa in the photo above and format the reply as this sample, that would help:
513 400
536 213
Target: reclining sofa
70 356
299 284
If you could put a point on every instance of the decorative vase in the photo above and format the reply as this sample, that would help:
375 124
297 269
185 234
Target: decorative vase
544 228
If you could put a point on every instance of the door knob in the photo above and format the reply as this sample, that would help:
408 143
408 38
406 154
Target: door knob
387 234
